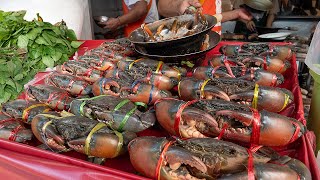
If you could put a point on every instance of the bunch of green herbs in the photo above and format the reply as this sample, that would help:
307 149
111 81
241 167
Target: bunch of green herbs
45 45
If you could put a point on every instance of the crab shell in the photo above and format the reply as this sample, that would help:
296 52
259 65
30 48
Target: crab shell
24 109
13 130
74 85
103 109
206 118
197 157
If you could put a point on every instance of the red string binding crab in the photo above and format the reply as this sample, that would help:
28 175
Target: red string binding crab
208 158
232 121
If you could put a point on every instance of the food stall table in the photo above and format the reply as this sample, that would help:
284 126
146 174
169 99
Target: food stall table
27 162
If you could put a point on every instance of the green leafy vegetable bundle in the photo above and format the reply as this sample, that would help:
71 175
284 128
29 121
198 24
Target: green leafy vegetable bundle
46 45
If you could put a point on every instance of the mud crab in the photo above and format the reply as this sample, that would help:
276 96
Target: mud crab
76 86
118 49
24 109
207 158
55 98
80 69
258 49
228 120
13 130
138 75
97 62
135 92
272 99
150 65
120 114
268 63
81 134
259 76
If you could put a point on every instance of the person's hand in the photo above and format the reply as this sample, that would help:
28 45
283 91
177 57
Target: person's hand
112 24
251 26
185 4
244 15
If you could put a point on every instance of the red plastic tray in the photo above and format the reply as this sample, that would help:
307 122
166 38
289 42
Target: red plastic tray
27 162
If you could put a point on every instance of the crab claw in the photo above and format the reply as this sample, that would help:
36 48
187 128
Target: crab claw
277 65
291 169
194 122
275 130
207 72
144 93
144 156
160 81
134 123
55 98
158 67
300 168
233 50
73 84
99 63
103 108
266 171
23 109
269 98
46 132
106 86
216 60
103 143
195 158
190 89
13 130
264 78
146 29
281 52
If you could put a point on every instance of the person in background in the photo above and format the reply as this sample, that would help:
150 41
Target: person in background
168 8
263 16
135 13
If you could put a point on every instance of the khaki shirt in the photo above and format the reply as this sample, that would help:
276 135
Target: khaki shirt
274 10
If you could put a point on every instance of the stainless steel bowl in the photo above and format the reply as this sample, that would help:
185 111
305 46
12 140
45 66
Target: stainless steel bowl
99 19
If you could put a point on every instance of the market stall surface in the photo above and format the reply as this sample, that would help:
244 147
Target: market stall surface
24 161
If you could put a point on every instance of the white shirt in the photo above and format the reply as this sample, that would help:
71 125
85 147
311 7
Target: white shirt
153 12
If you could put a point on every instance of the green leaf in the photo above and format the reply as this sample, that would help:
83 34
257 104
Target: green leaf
41 40
34 33
47 38
3 79
56 30
64 57
71 35
37 54
23 41
76 44
48 50
18 77
6 96
56 56
11 83
18 31
19 88
11 66
48 61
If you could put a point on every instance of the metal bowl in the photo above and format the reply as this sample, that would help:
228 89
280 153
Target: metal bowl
214 39
99 19
184 45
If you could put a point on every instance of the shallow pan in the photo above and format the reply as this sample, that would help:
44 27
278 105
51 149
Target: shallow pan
183 45
214 39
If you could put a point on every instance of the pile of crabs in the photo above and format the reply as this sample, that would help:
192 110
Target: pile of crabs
222 119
